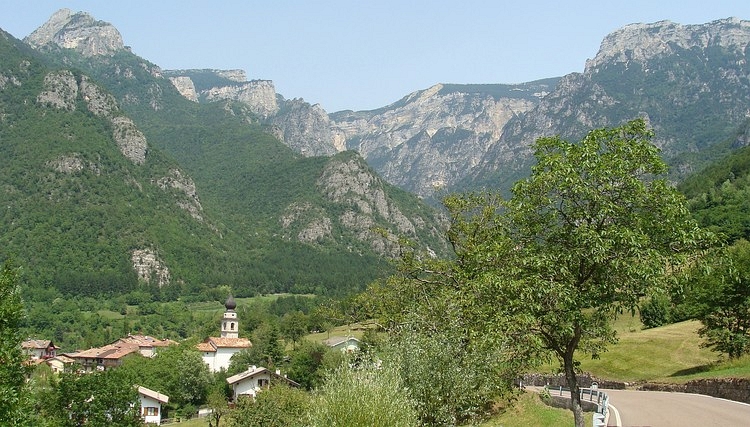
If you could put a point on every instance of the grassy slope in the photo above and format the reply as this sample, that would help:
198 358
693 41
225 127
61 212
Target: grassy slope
529 410
669 353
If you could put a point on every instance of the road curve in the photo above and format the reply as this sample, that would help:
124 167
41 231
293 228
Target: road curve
669 409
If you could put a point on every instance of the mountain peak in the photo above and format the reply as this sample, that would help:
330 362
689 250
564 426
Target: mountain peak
640 42
78 31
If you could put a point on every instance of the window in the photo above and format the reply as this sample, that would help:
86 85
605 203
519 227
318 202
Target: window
231 325
262 382
150 411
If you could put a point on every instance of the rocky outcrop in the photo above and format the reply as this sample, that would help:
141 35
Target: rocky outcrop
643 42
79 31
149 267
259 95
351 183
185 86
305 128
99 102
129 139
72 163
62 90
188 197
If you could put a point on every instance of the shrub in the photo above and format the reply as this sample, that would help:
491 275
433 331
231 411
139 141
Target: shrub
363 396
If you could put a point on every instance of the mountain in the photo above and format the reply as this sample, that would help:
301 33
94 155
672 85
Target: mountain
689 81
269 193
423 143
113 181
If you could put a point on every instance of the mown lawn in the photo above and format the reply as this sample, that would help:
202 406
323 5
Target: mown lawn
657 354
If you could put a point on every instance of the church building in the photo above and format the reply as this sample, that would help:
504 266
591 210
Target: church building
217 351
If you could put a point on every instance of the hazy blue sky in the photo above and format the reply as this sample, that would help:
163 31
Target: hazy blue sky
367 54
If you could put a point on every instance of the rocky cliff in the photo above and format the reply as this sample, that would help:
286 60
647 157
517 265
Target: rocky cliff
77 31
689 81
426 142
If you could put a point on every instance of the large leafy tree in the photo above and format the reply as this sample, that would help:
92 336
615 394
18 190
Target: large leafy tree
588 234
722 302
96 399
13 391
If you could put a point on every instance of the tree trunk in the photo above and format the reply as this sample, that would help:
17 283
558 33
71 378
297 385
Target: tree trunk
575 392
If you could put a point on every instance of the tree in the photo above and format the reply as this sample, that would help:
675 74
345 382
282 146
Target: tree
266 350
590 232
96 399
13 390
294 326
306 364
722 300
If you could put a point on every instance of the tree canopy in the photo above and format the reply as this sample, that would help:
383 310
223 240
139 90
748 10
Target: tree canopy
588 234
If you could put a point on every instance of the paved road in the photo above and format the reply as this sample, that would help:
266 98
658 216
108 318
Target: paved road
665 409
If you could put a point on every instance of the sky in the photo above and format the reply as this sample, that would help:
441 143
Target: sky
362 55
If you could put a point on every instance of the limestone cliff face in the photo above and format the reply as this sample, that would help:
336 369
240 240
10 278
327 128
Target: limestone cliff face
260 95
425 142
431 139
365 211
149 267
62 90
185 86
305 128
78 31
688 81
642 42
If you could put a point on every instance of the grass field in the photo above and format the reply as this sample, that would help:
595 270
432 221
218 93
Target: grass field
669 353
529 410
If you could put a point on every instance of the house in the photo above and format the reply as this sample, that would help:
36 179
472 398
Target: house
151 402
256 378
111 355
217 351
345 344
39 349
106 357
147 346
60 363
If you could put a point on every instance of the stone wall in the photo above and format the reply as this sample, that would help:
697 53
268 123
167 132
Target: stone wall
737 389
584 380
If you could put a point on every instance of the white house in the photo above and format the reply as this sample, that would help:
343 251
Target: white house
217 351
255 379
345 344
39 349
151 402
60 363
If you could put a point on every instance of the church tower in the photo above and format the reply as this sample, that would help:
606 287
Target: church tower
230 327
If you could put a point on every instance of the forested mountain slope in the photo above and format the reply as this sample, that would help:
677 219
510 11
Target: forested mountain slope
113 179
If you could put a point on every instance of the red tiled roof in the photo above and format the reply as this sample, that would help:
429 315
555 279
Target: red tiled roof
38 344
115 351
147 341
214 343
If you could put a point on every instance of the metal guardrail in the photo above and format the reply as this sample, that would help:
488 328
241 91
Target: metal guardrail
602 400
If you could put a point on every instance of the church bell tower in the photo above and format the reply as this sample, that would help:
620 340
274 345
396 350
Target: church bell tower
230 327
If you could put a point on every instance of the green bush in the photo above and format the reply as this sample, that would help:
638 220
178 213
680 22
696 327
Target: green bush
363 396
279 406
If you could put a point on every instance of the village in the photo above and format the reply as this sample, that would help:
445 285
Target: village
216 352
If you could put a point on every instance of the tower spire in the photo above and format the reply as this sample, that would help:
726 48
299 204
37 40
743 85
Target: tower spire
230 326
